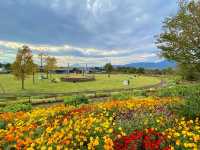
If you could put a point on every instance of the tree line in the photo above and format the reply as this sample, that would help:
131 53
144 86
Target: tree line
7 66
133 70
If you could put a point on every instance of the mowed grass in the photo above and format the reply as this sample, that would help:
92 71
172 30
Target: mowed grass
11 85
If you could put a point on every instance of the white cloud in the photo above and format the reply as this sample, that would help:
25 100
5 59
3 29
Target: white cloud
91 55
1 52
92 31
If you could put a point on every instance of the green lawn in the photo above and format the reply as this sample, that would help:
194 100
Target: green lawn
11 85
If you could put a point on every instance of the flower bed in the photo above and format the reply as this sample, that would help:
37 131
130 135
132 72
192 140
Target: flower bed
77 79
117 124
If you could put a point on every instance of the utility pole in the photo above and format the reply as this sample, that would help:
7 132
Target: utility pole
41 61
68 68
41 56
85 68
82 70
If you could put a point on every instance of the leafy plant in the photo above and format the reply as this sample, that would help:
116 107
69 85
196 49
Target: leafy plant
17 107
191 108
76 100
121 96
2 124
140 93
191 99
181 91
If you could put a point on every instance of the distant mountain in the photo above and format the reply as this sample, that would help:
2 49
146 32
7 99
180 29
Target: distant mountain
76 65
153 65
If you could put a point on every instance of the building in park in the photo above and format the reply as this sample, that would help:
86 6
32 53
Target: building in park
78 70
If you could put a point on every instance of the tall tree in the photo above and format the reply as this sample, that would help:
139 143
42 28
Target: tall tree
23 64
108 67
50 65
180 40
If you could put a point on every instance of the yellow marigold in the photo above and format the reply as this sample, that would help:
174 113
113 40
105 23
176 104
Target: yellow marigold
196 138
108 143
176 134
43 148
178 142
171 148
191 121
110 130
93 143
30 148
50 148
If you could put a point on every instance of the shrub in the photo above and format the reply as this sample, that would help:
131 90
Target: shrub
140 93
181 91
51 101
17 107
191 108
189 72
121 96
126 96
76 100
2 124
191 99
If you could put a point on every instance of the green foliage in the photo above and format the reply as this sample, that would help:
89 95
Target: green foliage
17 107
141 70
189 72
76 100
190 108
181 91
121 96
38 132
51 101
180 41
7 66
140 93
168 71
129 95
2 124
108 67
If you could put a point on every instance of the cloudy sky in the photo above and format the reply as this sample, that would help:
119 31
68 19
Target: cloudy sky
84 31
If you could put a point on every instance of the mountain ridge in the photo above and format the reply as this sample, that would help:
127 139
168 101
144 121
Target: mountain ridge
152 65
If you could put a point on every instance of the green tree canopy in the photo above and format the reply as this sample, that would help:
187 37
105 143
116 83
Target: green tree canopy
180 39
108 68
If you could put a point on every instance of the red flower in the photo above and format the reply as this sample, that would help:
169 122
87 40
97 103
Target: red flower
150 140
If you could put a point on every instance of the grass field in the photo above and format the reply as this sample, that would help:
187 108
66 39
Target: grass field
11 85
